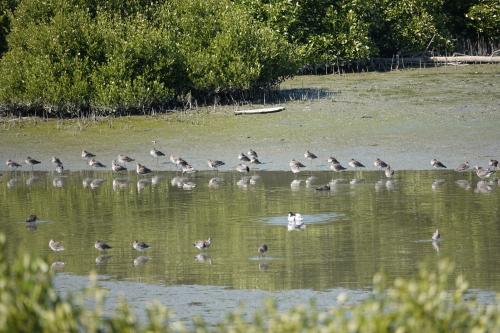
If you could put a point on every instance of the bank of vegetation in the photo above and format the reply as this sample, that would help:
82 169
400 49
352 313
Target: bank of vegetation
80 57
30 303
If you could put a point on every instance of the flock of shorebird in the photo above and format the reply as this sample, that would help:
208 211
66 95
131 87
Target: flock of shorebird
295 220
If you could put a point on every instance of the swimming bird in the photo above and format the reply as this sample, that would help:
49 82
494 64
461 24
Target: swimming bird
332 159
215 164
493 163
101 246
355 164
389 172
323 188
436 235
32 162
483 173
142 170
140 246
87 155
203 244
12 164
244 158
242 168
31 218
96 164
56 246
337 167
294 217
437 164
252 153
117 167
462 167
262 249
378 163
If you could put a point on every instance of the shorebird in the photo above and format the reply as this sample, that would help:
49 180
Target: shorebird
332 159
389 172
262 249
187 168
493 163
378 163
203 244
142 170
32 162
462 167
117 167
101 246
323 188
56 246
437 164
244 158
140 246
252 153
255 160
355 164
295 221
337 167
436 235
12 164
155 153
483 173
215 164
31 218
96 164
310 156
125 159
87 155
57 162
295 166
242 168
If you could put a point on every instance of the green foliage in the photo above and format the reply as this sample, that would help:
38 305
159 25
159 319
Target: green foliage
30 303
484 17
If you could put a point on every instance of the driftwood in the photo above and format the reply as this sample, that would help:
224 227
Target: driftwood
260 111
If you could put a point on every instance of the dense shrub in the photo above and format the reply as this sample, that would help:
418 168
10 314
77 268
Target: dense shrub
30 303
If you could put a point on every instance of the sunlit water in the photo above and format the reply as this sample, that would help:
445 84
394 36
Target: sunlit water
363 225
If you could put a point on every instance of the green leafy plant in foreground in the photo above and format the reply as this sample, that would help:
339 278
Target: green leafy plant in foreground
30 303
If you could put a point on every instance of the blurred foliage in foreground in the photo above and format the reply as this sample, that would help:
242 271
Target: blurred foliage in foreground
30 303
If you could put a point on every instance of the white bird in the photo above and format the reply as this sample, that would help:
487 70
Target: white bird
294 217
436 235
56 246
203 244
140 246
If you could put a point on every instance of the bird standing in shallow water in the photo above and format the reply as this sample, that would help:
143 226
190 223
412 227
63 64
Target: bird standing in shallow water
252 153
140 246
337 167
436 235
31 218
463 167
242 168
389 172
378 163
310 156
125 159
86 155
32 162
56 246
215 164
483 173
295 166
101 246
12 164
355 164
96 164
437 164
142 170
493 163
203 244
262 249
117 167
244 158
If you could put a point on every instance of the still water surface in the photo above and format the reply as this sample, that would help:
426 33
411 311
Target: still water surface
363 225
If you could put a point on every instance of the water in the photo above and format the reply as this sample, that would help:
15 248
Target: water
363 225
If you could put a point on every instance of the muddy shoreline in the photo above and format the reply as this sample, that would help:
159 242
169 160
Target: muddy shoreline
406 118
